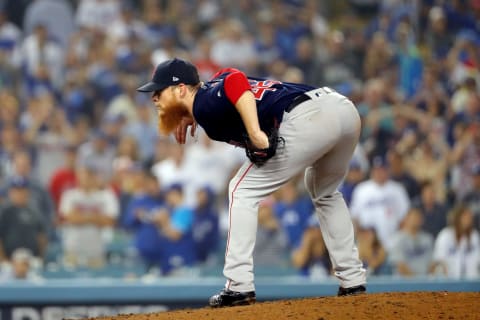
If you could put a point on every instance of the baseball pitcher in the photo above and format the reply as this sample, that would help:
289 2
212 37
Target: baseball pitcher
284 128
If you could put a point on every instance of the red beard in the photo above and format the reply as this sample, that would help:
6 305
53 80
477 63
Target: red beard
171 118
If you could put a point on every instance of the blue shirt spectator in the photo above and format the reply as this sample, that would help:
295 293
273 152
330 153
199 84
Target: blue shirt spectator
293 212
205 225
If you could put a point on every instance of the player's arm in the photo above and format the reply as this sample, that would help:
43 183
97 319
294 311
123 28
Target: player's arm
238 91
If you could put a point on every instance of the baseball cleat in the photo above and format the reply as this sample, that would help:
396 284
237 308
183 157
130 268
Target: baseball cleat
351 291
228 298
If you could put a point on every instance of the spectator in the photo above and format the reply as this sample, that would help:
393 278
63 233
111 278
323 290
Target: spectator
202 58
87 211
377 117
126 174
429 162
438 38
206 226
112 125
64 177
431 96
465 155
472 198
337 63
371 251
124 103
158 21
39 197
265 46
354 176
462 94
457 247
41 11
127 148
306 60
49 133
379 56
380 202
21 267
173 169
462 58
399 174
233 48
271 240
145 202
9 113
21 225
311 256
208 163
127 25
42 60
410 65
99 153
97 14
143 129
10 37
412 249
434 212
293 211
10 143
175 227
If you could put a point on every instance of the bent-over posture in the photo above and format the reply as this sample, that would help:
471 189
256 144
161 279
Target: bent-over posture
284 128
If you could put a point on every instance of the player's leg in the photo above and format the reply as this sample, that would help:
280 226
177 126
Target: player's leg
322 180
246 190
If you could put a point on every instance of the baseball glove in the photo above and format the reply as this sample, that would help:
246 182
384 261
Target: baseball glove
260 156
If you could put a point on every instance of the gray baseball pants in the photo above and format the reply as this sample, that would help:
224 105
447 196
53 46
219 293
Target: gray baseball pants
320 137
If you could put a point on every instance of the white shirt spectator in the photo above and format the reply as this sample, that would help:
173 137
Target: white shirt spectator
42 11
233 48
98 14
172 170
461 260
87 242
380 206
32 55
211 163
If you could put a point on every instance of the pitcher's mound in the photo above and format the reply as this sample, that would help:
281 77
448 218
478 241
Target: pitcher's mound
385 306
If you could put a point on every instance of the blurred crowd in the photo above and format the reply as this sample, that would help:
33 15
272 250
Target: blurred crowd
86 182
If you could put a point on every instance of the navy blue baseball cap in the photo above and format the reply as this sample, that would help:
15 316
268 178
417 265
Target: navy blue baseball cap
170 73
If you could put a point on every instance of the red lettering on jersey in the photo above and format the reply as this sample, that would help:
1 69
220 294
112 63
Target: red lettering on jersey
260 87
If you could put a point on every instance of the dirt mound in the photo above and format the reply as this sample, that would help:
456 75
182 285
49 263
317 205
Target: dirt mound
394 305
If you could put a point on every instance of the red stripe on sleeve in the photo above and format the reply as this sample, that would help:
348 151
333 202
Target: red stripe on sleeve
235 84
224 70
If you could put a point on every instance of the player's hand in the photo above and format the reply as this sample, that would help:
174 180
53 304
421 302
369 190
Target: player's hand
259 140
181 131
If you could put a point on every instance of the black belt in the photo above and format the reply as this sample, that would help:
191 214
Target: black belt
296 101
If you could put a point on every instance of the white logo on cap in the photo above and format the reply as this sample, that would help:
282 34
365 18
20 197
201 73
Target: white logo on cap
175 79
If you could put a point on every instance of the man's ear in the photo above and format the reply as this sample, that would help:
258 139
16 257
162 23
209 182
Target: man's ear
182 90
